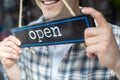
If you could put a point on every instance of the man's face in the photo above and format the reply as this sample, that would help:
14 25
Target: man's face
55 9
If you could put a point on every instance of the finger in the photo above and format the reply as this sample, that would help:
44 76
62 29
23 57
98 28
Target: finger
9 50
8 55
92 41
12 45
13 39
91 51
90 32
101 21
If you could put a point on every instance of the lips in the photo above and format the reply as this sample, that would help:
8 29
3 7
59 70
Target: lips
48 2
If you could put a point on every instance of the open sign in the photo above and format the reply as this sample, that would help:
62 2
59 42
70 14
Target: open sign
69 30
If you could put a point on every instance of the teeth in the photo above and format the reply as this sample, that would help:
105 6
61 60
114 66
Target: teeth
49 2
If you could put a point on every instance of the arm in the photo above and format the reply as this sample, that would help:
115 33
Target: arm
9 54
100 41
117 70
13 72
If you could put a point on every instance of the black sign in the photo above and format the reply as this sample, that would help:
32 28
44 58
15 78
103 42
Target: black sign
70 30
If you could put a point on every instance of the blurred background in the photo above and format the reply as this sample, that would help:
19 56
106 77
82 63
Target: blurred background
9 12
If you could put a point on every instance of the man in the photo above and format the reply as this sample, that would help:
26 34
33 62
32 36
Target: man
66 61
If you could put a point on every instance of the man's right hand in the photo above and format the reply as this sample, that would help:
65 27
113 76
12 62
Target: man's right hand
9 51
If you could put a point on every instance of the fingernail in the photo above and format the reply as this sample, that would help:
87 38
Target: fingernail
81 10
19 43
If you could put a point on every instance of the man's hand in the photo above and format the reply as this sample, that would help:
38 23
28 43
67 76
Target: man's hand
100 41
9 51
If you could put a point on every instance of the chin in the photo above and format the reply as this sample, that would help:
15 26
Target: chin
52 15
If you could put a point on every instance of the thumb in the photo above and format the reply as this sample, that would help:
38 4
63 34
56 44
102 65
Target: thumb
101 21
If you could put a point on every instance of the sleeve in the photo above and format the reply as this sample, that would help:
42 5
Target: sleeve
22 66
1 76
113 75
1 72
5 76
116 31
23 75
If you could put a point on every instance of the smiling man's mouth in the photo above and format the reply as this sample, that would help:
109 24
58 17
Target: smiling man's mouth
48 2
